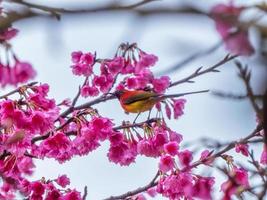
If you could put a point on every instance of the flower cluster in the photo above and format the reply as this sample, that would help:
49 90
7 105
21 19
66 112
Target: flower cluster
136 73
227 23
13 71
34 126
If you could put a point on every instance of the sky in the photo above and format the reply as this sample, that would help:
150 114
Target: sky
48 43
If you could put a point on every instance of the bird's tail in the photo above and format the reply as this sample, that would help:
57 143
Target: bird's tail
182 94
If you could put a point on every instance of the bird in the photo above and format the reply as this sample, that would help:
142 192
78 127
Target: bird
139 101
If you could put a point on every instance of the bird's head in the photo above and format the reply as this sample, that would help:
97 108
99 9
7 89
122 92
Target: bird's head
118 93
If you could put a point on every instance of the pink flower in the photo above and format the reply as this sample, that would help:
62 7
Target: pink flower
161 84
85 142
145 60
185 157
53 194
171 148
116 138
226 19
238 181
176 186
204 156
57 146
139 197
37 188
72 195
8 33
146 147
87 91
23 72
123 153
175 137
202 188
242 148
102 126
152 192
168 111
166 163
178 107
104 82
63 181
87 58
116 65
263 159
83 63
76 56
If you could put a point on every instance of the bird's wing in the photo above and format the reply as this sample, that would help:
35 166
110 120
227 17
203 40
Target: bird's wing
139 97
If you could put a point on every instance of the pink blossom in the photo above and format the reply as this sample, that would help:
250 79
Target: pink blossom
161 84
178 107
85 142
116 65
25 165
176 186
175 136
37 188
53 194
152 192
185 157
102 126
166 163
23 72
83 63
204 156
140 197
242 148
89 91
116 138
104 82
239 180
63 181
76 56
171 148
57 146
123 153
168 111
226 19
72 195
41 122
146 147
87 58
202 188
8 33
263 159
145 60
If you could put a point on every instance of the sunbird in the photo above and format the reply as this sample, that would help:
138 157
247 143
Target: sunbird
138 101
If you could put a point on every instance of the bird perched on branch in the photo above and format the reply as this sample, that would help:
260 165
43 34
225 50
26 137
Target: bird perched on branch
138 101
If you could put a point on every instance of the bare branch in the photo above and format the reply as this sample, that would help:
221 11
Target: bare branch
199 71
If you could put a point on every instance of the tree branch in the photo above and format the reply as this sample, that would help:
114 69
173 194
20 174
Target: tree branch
199 71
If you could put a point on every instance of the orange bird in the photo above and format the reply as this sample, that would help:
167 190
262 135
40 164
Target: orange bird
138 101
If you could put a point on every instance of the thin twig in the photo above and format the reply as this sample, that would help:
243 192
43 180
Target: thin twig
18 90
190 59
137 191
199 71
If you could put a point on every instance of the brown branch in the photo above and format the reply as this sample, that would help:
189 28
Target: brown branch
245 75
85 193
18 90
114 7
230 146
199 71
137 191
191 58
234 96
